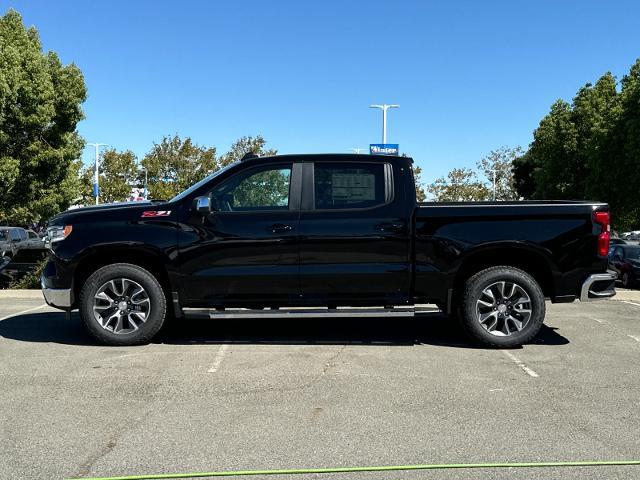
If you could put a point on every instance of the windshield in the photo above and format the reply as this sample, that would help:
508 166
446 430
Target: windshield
195 186
632 253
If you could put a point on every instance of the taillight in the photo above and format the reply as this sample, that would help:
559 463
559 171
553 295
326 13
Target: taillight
602 219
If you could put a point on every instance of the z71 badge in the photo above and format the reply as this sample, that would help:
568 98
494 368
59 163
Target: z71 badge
156 213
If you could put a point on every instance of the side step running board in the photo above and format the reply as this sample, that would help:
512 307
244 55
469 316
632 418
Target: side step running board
305 312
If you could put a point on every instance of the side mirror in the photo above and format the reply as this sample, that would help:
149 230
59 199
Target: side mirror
202 205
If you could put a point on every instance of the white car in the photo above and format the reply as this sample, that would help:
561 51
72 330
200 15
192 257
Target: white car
33 240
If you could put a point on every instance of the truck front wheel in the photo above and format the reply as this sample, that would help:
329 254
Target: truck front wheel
122 304
502 307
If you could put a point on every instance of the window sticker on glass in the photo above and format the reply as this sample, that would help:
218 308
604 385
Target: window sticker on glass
353 187
348 185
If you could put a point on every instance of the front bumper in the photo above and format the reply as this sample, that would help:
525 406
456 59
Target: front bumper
598 286
57 297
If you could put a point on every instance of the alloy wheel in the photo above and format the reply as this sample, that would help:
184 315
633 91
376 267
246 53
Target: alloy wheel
504 308
121 306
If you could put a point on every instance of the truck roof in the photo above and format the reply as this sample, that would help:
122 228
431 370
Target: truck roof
338 157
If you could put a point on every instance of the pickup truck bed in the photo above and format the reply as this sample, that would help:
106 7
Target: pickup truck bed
552 240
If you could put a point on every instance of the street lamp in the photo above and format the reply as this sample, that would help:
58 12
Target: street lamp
146 181
493 171
384 107
95 178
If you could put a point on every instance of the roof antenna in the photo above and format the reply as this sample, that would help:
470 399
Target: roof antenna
248 156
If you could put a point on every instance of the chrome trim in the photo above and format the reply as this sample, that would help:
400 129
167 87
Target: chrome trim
347 312
587 295
58 297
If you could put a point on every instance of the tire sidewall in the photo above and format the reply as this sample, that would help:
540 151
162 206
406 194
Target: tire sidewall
473 290
154 290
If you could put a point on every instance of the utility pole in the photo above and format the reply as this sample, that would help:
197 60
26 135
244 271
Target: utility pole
357 150
95 178
384 107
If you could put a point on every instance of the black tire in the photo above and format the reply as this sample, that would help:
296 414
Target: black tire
473 292
627 281
153 290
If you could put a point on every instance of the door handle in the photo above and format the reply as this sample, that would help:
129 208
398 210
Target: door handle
279 228
390 227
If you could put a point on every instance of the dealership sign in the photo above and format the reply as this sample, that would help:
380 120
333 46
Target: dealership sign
383 149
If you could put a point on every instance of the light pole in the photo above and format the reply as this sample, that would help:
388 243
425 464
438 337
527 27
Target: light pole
145 183
493 171
384 107
95 178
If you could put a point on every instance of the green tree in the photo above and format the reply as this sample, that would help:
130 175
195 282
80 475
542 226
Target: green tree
245 145
589 149
498 166
118 173
621 154
421 196
253 190
524 170
554 150
460 184
175 164
40 106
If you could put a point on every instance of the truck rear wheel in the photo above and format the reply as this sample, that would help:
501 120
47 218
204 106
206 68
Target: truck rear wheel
502 307
122 304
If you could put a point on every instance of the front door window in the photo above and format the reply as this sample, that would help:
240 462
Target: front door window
258 189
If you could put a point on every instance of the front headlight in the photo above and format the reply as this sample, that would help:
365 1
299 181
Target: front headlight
57 233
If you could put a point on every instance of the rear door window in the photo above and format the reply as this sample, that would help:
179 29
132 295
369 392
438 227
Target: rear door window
346 186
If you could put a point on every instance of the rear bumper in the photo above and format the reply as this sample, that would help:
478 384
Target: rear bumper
57 297
598 286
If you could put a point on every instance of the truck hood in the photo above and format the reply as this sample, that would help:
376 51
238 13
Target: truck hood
103 210
108 205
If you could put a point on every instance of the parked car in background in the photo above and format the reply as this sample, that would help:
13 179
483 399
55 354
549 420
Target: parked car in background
631 237
7 248
33 241
625 261
617 241
25 261
11 240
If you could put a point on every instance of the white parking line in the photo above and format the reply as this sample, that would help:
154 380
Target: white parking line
218 359
630 303
23 312
521 364
597 320
637 339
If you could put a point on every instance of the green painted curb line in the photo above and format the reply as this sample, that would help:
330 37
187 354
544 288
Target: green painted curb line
384 468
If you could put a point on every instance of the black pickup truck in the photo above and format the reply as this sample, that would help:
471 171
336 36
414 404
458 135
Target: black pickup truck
324 235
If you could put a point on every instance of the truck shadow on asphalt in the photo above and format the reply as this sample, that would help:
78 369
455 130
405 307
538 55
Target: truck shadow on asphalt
425 329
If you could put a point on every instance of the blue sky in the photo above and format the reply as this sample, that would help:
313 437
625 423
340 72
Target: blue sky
469 76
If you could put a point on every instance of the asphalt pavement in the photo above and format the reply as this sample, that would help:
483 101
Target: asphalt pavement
238 395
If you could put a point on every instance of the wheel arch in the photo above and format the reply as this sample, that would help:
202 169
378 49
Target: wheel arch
143 257
526 258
